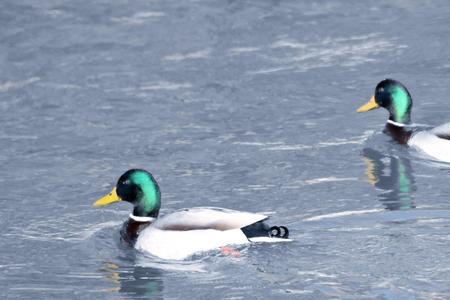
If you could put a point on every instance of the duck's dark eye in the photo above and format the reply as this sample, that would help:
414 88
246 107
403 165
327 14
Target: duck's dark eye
128 191
381 97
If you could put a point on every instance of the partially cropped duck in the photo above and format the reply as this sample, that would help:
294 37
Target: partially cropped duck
184 232
393 96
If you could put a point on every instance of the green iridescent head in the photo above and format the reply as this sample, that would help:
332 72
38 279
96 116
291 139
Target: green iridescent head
393 96
140 189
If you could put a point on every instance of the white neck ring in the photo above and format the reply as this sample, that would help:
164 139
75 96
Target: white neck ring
396 123
141 219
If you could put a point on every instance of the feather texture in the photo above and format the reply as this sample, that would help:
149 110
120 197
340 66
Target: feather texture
434 142
184 232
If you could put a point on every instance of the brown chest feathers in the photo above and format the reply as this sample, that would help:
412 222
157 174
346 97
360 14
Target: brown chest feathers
131 229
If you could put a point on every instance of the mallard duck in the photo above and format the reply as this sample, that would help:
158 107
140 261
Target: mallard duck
393 96
185 232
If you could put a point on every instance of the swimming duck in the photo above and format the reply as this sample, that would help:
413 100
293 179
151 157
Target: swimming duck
185 232
393 96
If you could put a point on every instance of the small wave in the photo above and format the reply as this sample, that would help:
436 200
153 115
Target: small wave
342 214
18 137
75 234
281 146
329 179
289 44
13 85
316 274
289 147
270 70
61 86
40 289
138 18
241 50
257 143
164 85
299 183
255 187
146 261
69 227
16 266
350 51
192 55
383 215
338 143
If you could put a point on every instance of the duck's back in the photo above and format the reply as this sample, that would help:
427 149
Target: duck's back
207 218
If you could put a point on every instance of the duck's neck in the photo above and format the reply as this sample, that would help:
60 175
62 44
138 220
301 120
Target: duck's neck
137 221
404 118
145 219
133 226
398 131
141 212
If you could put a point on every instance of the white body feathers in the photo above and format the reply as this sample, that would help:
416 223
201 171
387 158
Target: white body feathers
431 144
180 234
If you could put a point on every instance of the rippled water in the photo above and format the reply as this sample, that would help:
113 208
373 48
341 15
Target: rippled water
247 105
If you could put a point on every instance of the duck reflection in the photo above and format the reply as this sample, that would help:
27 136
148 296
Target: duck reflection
135 282
394 176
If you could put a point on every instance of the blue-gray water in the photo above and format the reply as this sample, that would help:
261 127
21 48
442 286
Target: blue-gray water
247 105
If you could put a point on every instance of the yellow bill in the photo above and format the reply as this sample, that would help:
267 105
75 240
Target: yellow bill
108 199
369 105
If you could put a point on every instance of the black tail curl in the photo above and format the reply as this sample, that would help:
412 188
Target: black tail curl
261 229
280 232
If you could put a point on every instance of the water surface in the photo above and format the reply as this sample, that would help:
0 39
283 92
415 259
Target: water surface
247 105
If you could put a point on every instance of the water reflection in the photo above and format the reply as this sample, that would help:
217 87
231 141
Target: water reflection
394 176
135 282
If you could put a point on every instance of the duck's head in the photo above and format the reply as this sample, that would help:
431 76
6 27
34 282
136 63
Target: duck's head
393 96
140 189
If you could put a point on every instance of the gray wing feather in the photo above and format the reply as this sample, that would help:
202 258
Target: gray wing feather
207 218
